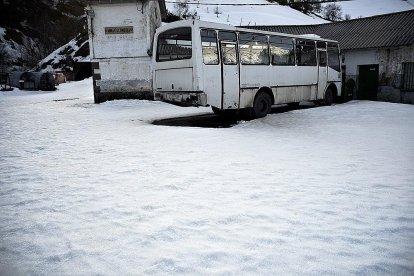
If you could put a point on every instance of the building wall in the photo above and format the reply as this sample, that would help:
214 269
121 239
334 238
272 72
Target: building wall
390 70
122 60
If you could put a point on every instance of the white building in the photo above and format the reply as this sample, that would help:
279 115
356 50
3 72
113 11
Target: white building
120 37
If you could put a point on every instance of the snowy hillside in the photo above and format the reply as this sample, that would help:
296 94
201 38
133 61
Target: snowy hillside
76 50
30 30
240 14
365 8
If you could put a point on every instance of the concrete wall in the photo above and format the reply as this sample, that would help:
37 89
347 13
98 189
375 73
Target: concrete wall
122 60
390 70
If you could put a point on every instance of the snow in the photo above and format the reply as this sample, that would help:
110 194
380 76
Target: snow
244 15
365 8
60 54
97 189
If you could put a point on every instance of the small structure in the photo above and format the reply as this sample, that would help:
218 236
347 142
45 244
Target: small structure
59 77
5 82
15 78
120 40
33 81
377 54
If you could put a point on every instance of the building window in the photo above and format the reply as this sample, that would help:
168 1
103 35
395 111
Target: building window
408 76
306 53
254 49
209 47
174 44
282 51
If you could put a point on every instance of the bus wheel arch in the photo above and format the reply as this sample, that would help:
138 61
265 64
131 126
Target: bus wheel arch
263 102
330 95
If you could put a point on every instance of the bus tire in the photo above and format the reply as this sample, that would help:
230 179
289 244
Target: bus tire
328 98
262 105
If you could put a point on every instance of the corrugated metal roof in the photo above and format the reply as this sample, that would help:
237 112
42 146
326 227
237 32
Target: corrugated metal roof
388 30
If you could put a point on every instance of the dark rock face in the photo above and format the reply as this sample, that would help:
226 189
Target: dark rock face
33 29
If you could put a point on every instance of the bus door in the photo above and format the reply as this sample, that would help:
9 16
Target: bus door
230 74
322 72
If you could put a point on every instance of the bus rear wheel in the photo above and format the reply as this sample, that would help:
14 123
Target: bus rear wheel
262 105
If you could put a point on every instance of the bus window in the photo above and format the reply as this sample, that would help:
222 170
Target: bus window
305 53
253 49
282 51
209 47
227 36
229 53
174 44
321 45
322 58
333 56
228 47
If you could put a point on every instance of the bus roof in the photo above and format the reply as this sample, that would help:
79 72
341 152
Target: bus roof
220 26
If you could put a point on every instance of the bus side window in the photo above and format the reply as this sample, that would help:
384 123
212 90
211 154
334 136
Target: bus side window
306 53
333 56
228 47
229 53
322 58
282 51
254 49
209 47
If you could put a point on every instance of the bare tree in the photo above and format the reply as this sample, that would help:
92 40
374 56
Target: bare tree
182 10
217 11
332 12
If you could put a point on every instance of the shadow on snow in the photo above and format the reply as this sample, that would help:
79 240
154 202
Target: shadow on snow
214 121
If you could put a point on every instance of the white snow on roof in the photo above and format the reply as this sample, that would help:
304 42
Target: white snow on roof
59 54
364 8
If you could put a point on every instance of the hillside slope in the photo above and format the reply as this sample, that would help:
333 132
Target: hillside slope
30 30
240 14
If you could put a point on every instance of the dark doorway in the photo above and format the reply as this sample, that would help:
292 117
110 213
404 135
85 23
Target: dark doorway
368 82
82 70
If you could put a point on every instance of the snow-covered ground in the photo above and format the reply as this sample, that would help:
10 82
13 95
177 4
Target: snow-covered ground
97 189
240 14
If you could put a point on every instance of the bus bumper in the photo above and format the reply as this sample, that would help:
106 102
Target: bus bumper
182 98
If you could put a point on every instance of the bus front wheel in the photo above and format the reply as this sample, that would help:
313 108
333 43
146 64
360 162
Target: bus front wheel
262 105
328 99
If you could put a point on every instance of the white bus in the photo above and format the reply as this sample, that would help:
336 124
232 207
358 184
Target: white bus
202 63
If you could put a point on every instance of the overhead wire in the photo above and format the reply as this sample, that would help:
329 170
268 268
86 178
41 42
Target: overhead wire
252 4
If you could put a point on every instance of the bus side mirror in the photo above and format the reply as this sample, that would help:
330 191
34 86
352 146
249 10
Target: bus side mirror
149 52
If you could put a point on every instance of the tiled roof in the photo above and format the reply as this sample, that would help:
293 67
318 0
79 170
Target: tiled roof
389 30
